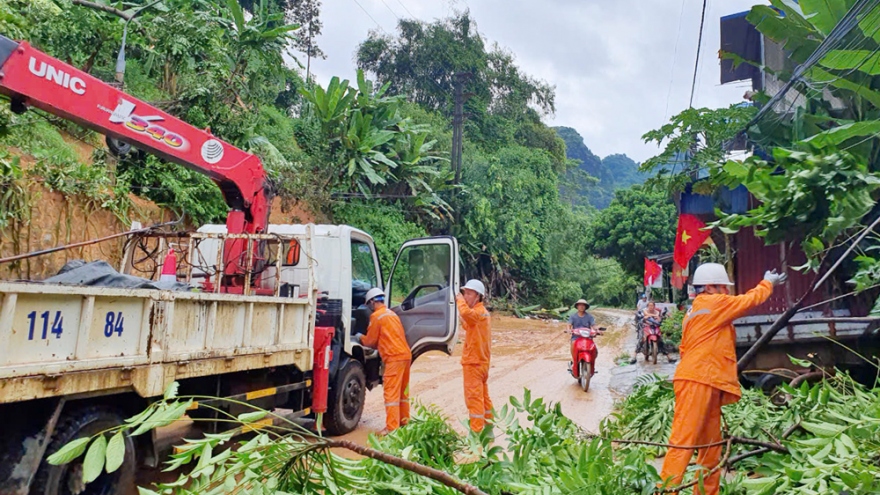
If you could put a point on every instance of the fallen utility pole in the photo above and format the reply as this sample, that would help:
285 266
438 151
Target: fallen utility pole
783 320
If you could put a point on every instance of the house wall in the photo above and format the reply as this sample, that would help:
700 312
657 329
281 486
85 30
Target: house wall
753 258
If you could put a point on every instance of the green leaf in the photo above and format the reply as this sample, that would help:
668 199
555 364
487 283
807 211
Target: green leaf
803 363
115 452
94 461
69 452
250 417
760 485
824 14
840 134
823 429
866 61
171 390
237 15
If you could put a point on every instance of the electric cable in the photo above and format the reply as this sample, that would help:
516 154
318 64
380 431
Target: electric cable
699 46
370 16
674 58
389 9
407 11
840 30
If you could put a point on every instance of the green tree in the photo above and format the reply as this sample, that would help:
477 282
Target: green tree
421 62
637 223
694 141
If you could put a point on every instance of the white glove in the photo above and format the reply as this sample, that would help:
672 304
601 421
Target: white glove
357 337
775 278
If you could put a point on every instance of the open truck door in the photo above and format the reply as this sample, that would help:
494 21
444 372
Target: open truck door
421 290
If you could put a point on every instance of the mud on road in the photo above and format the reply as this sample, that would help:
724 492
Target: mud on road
526 354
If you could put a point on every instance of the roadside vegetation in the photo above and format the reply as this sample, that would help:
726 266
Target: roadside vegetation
370 148
824 439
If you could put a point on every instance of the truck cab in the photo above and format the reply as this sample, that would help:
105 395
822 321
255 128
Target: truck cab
420 289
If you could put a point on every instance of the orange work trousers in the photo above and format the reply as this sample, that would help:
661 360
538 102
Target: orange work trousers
476 394
395 384
696 421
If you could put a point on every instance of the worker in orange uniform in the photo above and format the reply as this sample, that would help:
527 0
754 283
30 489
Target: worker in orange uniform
706 379
386 334
475 357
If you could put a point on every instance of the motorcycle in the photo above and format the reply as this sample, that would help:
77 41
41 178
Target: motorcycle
652 334
583 355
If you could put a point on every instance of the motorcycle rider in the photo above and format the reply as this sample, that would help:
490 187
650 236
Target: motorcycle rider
651 315
643 302
581 319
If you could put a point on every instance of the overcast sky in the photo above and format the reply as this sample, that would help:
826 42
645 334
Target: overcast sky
620 67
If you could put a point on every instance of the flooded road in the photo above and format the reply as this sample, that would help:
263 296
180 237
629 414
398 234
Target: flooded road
532 354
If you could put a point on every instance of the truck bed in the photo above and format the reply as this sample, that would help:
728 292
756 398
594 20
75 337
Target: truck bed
61 340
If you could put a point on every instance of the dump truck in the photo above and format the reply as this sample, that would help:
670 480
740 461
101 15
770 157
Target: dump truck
256 312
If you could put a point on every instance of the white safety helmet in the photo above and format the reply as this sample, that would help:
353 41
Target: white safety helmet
711 274
374 293
476 286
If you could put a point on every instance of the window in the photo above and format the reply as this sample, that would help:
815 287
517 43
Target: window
420 270
290 252
363 268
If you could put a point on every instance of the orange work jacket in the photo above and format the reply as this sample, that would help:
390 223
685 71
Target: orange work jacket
708 344
476 323
386 334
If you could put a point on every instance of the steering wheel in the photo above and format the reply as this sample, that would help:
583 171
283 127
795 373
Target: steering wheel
409 302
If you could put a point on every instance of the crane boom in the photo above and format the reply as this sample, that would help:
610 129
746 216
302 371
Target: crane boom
32 78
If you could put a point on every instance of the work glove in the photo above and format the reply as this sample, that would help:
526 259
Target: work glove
775 278
357 337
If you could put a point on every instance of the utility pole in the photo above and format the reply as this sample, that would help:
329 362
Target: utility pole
458 116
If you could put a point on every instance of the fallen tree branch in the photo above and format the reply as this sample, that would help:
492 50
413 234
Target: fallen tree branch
737 440
419 469
105 8
763 450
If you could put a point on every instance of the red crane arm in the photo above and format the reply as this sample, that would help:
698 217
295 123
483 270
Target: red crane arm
30 77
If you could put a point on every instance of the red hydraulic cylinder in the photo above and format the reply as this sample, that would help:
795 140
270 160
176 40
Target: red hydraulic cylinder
321 368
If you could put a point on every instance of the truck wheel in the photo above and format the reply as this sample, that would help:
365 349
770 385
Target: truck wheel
345 403
67 479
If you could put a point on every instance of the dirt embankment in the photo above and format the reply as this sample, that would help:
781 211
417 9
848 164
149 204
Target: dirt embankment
53 219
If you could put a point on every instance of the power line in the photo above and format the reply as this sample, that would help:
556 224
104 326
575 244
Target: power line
701 75
389 10
407 10
846 24
370 16
699 45
674 58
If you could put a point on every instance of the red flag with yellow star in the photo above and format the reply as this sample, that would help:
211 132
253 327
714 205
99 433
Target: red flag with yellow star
689 238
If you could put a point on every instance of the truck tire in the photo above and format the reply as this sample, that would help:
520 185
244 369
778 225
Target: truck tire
345 403
67 479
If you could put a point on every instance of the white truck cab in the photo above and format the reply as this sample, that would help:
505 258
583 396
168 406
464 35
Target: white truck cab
420 288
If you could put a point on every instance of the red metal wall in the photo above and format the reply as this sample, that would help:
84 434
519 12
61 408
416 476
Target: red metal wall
753 258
